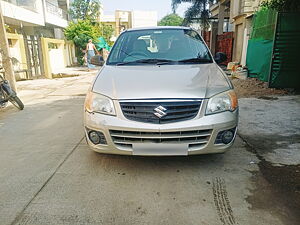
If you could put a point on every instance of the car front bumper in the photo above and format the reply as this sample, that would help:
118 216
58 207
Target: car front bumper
211 125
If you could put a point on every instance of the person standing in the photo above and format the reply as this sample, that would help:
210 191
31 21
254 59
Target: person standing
90 52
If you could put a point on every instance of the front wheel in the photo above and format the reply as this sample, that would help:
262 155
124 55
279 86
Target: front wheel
17 102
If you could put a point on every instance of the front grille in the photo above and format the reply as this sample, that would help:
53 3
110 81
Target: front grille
170 111
194 138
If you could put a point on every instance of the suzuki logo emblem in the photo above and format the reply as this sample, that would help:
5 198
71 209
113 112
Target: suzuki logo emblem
160 111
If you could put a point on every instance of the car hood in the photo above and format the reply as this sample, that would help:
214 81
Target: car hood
165 81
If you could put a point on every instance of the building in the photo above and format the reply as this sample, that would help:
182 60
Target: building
28 22
221 35
121 20
36 17
241 14
238 14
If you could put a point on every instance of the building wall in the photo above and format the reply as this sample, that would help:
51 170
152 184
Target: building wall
55 20
123 20
241 12
239 39
34 19
16 48
17 51
144 18
241 17
243 7
70 53
35 12
234 8
54 14
57 55
20 14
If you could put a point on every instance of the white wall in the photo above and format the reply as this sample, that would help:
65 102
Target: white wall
144 18
234 8
238 7
57 61
108 18
51 17
16 12
15 52
55 20
124 16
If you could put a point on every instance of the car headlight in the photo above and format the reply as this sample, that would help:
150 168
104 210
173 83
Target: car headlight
226 101
98 103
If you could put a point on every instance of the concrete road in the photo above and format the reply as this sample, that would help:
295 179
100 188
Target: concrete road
48 175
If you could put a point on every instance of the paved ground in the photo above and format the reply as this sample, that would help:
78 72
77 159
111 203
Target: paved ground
49 176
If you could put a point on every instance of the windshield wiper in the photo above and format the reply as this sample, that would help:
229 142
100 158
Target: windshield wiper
148 61
156 61
195 60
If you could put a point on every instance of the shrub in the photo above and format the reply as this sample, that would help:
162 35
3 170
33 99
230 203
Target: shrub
80 32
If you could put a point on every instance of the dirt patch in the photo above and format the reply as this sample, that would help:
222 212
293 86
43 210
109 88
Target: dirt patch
253 87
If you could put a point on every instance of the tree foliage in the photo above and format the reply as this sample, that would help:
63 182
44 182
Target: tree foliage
197 12
85 25
282 5
7 28
106 31
171 20
80 32
85 10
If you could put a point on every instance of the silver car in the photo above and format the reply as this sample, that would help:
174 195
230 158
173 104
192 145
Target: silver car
160 93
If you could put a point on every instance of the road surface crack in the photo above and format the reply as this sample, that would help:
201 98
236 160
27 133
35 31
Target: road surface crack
18 217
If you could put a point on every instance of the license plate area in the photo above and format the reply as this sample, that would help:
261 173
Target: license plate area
159 149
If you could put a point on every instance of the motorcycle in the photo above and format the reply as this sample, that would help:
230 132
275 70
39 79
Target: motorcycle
7 94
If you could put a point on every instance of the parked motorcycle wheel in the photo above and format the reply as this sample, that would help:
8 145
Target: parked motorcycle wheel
17 102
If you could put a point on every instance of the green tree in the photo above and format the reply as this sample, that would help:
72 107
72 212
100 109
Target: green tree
85 10
198 11
85 25
106 31
171 20
7 28
80 32
282 5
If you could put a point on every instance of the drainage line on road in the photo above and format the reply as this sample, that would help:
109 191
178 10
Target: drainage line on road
18 217
251 148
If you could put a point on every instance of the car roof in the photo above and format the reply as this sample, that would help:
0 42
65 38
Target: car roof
159 28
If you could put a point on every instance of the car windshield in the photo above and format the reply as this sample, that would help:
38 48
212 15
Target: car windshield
159 46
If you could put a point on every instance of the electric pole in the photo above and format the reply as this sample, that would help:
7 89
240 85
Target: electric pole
6 60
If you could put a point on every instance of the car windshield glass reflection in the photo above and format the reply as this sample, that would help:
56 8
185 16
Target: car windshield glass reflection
172 46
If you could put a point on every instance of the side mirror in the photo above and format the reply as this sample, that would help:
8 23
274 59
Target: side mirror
220 57
97 60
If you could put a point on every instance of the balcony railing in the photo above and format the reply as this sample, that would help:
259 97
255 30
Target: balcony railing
26 4
55 10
